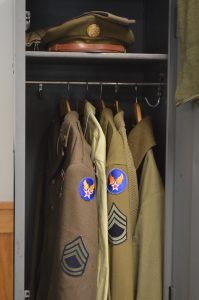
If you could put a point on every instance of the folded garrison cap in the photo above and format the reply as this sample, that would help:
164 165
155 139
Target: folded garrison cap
91 28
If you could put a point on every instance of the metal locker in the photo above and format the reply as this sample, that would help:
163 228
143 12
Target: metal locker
179 172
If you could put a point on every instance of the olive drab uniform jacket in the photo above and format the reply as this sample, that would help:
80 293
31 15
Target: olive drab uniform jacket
74 252
149 231
122 205
95 137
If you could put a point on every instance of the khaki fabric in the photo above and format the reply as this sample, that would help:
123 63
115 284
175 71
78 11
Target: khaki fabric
188 78
121 255
71 254
149 232
95 137
139 145
33 40
92 27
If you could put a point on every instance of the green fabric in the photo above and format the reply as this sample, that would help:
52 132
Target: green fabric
188 80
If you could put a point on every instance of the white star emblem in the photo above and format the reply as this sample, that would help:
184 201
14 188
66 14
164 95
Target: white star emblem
115 186
87 193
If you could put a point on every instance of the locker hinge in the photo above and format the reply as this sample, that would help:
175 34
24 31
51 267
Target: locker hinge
26 294
171 293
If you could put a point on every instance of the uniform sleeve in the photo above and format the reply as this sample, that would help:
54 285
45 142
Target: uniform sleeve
149 234
76 256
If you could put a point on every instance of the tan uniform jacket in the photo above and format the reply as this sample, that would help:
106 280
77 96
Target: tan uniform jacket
95 137
121 205
74 252
149 233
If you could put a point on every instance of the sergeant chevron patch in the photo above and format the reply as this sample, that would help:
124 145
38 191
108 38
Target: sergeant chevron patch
117 226
117 181
87 188
74 258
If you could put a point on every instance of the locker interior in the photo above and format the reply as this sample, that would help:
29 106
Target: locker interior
151 36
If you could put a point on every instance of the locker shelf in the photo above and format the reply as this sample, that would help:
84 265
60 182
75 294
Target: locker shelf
95 56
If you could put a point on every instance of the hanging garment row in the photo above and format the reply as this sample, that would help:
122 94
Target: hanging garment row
101 226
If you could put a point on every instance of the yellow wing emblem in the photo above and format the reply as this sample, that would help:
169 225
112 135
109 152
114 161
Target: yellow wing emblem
120 179
111 179
86 186
92 188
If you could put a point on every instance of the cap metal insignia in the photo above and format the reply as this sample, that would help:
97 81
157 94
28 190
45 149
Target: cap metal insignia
74 258
117 181
117 226
93 30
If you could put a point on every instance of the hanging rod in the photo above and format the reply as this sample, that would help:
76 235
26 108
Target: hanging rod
98 83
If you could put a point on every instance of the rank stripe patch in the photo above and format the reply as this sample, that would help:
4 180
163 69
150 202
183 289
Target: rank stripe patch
117 226
74 258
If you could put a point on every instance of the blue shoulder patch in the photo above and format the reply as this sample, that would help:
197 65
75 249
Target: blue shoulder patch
117 181
87 188
74 258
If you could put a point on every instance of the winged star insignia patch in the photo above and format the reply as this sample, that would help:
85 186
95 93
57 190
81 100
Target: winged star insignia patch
74 258
117 181
87 188
117 226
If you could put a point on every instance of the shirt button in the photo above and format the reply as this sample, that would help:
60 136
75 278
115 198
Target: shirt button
52 207
53 181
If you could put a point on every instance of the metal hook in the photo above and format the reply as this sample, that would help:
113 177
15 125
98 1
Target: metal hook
86 90
68 89
152 105
40 89
159 94
116 88
136 93
101 89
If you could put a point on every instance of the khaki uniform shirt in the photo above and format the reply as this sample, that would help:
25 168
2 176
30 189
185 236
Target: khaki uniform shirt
74 255
120 181
95 137
149 233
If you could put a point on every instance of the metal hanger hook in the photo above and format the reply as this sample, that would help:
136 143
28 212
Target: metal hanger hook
159 94
136 93
40 89
86 90
101 90
152 105
68 89
116 88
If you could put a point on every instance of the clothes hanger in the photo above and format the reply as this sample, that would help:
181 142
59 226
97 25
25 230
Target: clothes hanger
67 103
100 104
82 102
137 108
116 108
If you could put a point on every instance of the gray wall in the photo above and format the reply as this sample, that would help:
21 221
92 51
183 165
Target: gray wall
6 100
186 204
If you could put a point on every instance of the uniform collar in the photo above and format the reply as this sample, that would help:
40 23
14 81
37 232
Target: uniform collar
114 140
140 140
119 120
89 109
